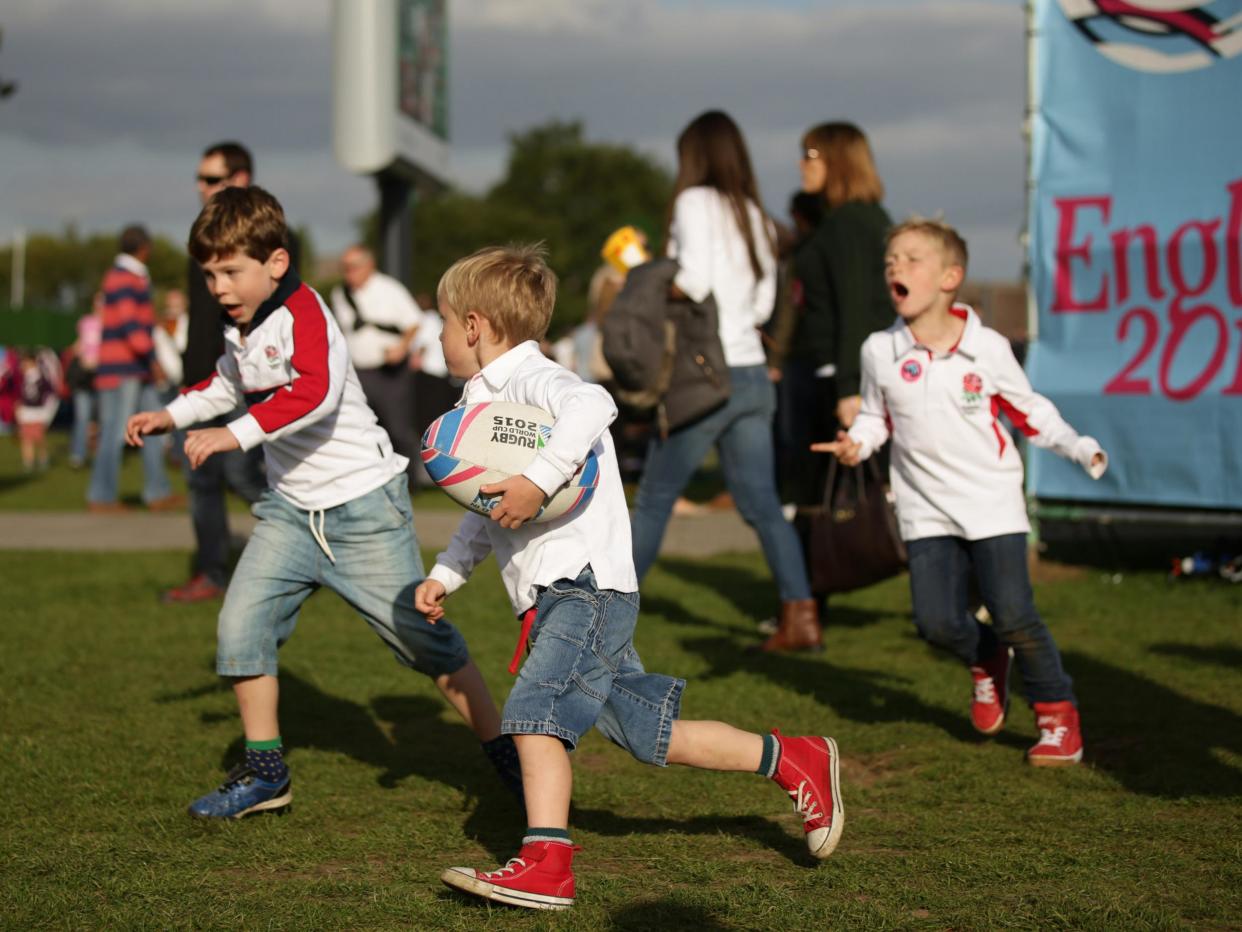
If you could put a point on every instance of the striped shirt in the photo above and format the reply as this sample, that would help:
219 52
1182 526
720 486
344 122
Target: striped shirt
126 348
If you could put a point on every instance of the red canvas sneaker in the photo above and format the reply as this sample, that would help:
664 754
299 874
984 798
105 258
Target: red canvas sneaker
1060 738
540 877
991 701
809 771
198 589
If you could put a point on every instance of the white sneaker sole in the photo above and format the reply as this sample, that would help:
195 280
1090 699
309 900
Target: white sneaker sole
465 880
823 841
1044 761
278 802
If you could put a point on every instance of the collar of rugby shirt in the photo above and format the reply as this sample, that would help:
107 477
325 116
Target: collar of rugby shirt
496 374
967 344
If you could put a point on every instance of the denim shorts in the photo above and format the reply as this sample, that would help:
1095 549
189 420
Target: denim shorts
377 566
583 670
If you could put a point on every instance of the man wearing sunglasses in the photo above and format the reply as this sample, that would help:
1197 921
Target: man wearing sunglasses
223 165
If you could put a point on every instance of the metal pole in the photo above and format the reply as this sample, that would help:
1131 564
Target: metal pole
17 282
1028 129
396 242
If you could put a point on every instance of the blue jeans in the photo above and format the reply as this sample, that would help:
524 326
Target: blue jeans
115 407
742 434
583 671
377 567
240 470
939 586
83 406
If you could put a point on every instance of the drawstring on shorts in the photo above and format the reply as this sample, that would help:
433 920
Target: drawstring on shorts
317 533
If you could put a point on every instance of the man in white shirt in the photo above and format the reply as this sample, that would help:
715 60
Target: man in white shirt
379 319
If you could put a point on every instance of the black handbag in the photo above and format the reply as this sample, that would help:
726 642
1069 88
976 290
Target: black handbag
854 538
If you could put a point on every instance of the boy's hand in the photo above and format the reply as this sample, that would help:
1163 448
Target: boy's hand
520 501
845 449
147 422
200 444
429 599
847 410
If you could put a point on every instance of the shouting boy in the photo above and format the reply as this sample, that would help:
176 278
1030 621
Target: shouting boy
936 382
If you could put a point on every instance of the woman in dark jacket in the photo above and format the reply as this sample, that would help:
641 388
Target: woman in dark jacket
840 297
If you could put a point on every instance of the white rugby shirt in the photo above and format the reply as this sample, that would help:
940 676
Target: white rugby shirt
321 442
537 555
955 471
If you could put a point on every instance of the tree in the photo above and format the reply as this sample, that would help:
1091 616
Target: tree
63 271
558 187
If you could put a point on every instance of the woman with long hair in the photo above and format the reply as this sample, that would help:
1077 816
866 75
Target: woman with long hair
723 245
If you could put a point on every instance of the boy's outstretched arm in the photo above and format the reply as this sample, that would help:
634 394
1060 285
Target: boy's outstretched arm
1039 419
468 548
870 429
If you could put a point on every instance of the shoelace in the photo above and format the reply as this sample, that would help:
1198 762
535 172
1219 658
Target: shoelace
238 775
985 689
1053 736
805 804
511 866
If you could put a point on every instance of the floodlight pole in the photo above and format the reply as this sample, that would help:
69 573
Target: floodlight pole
396 241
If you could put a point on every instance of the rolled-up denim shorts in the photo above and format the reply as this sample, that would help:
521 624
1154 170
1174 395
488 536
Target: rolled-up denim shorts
377 567
583 670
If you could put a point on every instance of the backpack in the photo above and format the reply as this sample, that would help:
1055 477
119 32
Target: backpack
665 354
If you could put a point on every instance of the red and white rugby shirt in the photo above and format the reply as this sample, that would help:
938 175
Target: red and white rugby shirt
321 441
955 470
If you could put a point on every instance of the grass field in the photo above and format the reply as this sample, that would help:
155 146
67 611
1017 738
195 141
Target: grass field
111 720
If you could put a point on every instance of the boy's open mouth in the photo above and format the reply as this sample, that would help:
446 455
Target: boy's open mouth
899 290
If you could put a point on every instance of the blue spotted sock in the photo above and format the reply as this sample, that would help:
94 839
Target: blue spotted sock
267 759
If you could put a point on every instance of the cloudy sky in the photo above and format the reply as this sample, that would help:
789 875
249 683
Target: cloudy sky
117 97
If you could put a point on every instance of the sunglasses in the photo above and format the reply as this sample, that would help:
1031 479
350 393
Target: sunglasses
809 154
211 179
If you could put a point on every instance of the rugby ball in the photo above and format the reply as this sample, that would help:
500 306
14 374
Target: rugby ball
478 444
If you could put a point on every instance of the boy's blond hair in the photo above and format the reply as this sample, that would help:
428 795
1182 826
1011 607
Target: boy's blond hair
511 287
236 221
949 241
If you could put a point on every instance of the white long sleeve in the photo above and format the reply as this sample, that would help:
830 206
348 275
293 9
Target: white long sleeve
713 260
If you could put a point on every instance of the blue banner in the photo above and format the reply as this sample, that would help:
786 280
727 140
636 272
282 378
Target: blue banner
1135 252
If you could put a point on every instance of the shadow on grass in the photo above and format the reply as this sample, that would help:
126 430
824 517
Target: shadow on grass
1226 656
15 482
421 745
752 594
854 695
765 831
1151 739
664 914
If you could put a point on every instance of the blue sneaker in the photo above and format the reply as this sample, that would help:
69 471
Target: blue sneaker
241 794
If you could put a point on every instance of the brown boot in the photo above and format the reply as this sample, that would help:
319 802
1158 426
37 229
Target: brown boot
798 628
